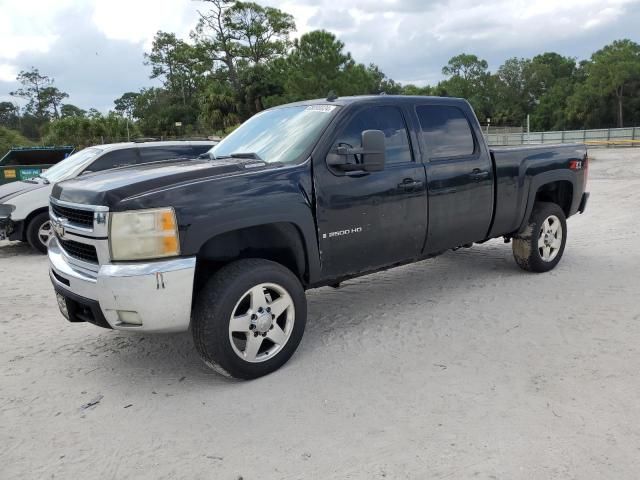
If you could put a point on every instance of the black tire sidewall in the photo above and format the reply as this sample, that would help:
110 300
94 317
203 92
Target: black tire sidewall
214 306
32 231
541 212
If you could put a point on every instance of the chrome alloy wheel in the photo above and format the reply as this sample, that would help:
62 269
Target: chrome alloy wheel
550 238
261 322
45 232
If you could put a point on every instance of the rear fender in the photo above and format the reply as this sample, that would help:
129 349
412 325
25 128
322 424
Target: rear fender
546 178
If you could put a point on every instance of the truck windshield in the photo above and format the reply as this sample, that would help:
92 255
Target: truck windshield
280 135
71 166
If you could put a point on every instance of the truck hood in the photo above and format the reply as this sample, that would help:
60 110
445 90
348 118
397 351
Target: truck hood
13 189
112 186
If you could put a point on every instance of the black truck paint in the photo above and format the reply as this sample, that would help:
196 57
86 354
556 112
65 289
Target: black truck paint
328 225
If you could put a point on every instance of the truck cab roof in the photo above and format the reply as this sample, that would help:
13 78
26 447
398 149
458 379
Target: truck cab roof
390 99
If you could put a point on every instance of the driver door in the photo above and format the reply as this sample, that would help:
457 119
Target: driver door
368 220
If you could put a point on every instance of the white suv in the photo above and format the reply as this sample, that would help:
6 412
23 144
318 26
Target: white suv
24 206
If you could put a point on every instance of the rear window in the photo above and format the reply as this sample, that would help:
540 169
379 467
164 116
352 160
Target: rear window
117 158
445 131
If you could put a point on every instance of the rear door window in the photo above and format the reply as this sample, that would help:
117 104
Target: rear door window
445 131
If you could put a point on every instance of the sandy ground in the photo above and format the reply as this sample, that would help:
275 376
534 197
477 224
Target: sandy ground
457 367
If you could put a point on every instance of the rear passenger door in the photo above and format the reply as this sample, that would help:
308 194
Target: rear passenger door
459 177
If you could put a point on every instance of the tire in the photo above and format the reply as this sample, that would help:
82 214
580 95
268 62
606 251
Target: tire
35 232
247 290
540 247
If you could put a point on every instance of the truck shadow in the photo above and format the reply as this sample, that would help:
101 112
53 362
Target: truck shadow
12 249
333 314
369 301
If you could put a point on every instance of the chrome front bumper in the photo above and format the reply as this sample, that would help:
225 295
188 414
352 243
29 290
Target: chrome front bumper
145 297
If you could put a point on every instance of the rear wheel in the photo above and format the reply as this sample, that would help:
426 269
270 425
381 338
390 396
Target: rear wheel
39 232
540 247
249 318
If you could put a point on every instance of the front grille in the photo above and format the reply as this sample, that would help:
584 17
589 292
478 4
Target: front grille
79 250
74 215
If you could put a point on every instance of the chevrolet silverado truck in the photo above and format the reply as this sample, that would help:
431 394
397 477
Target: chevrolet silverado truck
300 196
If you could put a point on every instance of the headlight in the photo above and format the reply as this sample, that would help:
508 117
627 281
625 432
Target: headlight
144 234
6 209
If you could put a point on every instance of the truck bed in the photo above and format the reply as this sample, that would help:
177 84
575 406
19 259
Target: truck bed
515 169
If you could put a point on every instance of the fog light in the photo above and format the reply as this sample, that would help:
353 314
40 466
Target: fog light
62 305
129 318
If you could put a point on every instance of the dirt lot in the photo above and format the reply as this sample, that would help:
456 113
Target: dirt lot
458 367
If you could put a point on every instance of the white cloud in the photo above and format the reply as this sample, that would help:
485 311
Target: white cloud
7 72
94 48
138 21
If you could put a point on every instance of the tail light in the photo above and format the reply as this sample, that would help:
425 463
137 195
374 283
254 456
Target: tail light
585 167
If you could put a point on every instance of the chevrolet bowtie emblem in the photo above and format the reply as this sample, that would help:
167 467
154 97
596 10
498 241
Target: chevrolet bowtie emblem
58 227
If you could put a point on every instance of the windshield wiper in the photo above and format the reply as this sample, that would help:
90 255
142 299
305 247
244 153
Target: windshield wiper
249 155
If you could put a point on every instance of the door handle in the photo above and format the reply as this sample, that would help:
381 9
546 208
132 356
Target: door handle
410 184
479 175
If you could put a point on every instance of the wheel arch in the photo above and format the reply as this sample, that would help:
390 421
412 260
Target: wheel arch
281 242
555 186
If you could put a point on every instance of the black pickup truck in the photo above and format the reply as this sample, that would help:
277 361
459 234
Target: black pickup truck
300 196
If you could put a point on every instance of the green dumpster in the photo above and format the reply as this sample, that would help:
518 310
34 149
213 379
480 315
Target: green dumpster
21 163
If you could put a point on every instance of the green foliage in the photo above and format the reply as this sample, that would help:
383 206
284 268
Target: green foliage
68 110
43 99
89 130
317 65
611 86
11 138
9 115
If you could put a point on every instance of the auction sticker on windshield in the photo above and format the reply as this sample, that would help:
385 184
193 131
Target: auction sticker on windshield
321 108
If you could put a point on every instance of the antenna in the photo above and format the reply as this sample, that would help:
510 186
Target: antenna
331 96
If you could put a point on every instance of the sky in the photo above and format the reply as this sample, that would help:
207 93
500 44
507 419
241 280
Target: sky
94 48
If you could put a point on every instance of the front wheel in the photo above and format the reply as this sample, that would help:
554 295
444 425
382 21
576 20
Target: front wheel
540 247
39 232
249 318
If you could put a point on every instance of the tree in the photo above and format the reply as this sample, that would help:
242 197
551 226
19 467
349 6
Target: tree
512 101
215 34
261 33
614 71
52 99
33 83
468 78
550 80
317 64
9 115
238 34
68 110
43 98
180 65
468 67
126 104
